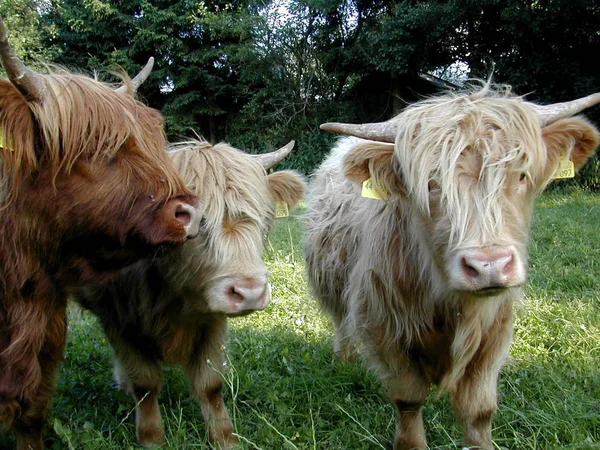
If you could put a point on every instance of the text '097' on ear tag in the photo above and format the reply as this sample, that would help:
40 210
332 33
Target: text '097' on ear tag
369 191
281 210
566 169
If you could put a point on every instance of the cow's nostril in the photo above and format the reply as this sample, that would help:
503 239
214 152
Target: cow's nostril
250 291
235 295
509 267
468 269
183 214
485 268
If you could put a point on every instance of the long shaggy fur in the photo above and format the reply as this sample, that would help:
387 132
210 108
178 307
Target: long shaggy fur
104 122
78 172
462 175
176 303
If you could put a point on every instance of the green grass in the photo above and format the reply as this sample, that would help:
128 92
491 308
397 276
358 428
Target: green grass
285 390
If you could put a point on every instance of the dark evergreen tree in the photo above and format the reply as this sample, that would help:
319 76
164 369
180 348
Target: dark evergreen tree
260 72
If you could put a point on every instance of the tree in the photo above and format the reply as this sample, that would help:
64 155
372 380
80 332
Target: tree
92 34
22 20
260 72
193 82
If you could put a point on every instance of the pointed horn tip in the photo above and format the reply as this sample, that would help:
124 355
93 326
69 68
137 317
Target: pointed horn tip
284 151
150 64
138 80
24 79
144 73
556 111
332 127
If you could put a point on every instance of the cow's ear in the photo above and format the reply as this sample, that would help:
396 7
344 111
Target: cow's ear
574 138
373 160
287 186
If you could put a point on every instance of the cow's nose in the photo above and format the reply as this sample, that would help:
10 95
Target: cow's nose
489 268
250 293
190 217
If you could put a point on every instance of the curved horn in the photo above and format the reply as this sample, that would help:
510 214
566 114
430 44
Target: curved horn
557 111
382 131
131 87
28 82
268 160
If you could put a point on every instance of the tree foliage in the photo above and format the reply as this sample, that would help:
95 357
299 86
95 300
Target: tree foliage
260 72
23 17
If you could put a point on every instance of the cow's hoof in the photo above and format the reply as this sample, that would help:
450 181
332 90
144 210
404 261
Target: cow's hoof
226 443
151 436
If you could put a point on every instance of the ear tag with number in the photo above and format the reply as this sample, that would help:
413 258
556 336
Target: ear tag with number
281 210
566 169
369 191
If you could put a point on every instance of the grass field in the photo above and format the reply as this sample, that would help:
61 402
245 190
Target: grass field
285 390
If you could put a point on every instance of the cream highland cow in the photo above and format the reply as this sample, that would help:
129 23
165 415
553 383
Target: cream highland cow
425 279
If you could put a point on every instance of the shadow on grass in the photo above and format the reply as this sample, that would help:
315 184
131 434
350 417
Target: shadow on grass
285 390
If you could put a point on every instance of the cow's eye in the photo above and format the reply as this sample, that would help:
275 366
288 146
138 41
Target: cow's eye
524 182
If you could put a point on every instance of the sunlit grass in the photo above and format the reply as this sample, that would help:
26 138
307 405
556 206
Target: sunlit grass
285 389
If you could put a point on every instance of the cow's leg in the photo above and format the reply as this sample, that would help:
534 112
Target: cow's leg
143 380
29 434
475 395
206 381
29 425
407 388
408 391
475 405
343 345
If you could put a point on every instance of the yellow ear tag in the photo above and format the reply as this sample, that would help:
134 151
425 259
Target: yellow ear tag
566 169
2 142
369 191
281 210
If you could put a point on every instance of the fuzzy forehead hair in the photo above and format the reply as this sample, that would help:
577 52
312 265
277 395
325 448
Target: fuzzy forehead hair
230 183
81 113
77 117
468 147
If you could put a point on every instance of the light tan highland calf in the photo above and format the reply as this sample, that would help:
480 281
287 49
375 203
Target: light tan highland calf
174 310
425 280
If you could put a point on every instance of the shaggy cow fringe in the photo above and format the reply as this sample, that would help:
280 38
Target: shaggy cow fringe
108 120
438 132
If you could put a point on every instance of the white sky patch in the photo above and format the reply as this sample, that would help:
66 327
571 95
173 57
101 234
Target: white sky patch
458 72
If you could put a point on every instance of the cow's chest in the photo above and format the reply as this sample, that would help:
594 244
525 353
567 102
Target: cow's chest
432 353
177 346
185 340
